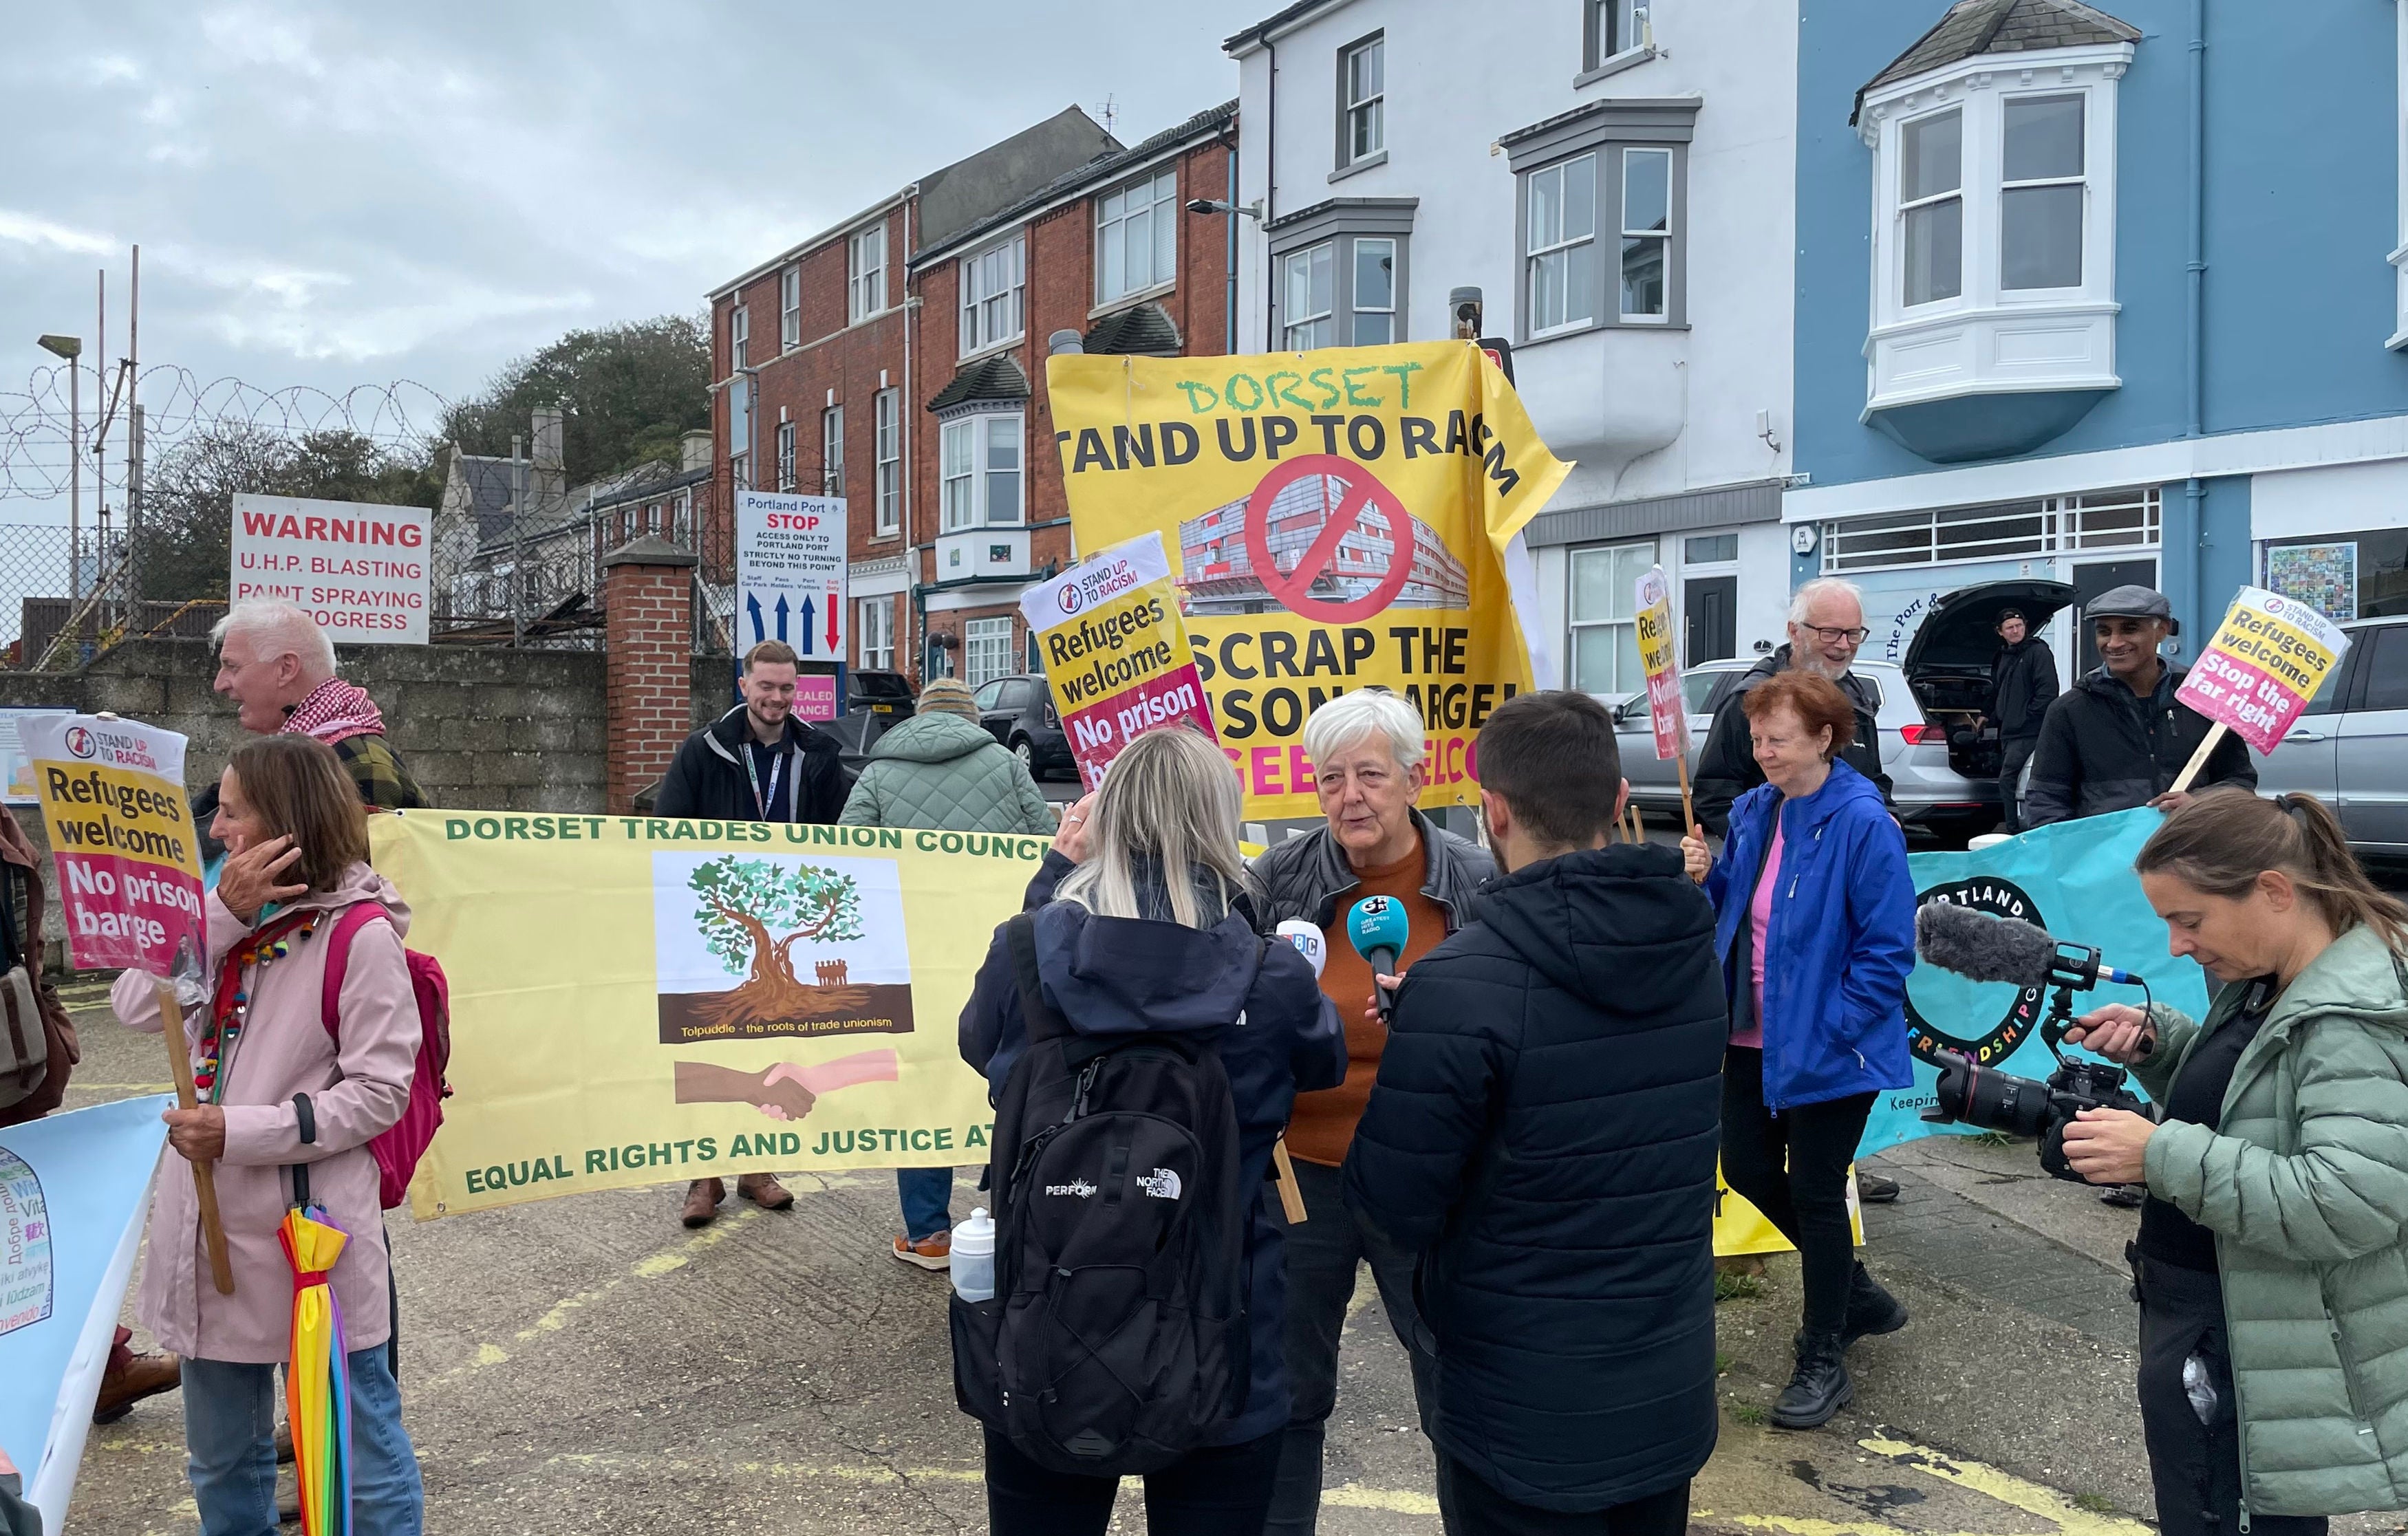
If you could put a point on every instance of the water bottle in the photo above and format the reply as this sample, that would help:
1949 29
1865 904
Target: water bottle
974 1257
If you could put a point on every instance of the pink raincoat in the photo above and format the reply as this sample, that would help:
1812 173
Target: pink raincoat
357 1091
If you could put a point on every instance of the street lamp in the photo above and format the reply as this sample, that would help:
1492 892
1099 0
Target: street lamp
69 348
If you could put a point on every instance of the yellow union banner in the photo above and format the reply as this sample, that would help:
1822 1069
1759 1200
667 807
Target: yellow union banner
1334 520
638 1000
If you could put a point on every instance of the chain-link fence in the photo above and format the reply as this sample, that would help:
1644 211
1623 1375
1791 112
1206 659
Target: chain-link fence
516 552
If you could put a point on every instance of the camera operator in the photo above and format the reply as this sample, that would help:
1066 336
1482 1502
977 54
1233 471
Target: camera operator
2278 1179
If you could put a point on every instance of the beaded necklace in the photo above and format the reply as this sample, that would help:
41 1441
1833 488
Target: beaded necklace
215 1058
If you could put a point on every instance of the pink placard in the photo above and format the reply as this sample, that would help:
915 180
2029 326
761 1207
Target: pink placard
1102 730
815 696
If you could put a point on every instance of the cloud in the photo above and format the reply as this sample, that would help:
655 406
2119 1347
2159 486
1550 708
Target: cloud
341 196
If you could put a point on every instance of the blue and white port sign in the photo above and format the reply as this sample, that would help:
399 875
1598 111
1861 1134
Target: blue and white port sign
790 570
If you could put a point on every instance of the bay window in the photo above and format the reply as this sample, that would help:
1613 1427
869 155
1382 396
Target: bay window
980 472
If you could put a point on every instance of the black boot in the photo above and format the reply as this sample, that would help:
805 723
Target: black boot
1818 1388
1870 1309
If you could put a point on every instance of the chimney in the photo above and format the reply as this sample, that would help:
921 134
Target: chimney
694 451
545 451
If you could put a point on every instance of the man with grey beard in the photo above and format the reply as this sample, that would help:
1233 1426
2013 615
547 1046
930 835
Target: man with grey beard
1827 624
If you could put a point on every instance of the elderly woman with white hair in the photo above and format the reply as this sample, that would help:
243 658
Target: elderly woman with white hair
1367 751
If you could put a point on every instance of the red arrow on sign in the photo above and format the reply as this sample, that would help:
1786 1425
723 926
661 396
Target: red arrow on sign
1293 588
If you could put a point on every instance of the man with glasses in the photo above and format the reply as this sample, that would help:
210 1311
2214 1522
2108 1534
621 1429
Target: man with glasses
1827 626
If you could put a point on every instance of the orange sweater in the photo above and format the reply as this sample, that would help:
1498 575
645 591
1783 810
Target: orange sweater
1323 1124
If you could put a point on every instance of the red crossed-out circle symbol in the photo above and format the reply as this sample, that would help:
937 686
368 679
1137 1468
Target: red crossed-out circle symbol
1294 587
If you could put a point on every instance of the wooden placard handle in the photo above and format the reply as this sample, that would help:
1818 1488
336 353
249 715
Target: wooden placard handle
1291 1197
2214 738
1688 806
205 1184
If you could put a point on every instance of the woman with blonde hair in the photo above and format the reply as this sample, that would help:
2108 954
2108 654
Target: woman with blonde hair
2269 1266
1141 936
286 812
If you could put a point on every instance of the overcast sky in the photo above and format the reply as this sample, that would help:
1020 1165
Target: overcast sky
335 195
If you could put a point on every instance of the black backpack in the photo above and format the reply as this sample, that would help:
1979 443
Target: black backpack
1116 1341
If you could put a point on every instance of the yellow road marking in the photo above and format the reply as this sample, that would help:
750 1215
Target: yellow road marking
73 1086
2005 1488
1392 1500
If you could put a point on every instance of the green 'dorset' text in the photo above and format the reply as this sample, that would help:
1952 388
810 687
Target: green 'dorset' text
538 828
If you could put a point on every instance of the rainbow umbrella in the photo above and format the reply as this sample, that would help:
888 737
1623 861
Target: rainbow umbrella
316 1383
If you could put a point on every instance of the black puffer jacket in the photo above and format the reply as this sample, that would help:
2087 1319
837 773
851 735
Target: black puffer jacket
2023 684
1307 875
1542 1134
1726 766
2104 749
710 780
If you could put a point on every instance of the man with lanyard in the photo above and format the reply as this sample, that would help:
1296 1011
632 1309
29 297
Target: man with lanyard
757 763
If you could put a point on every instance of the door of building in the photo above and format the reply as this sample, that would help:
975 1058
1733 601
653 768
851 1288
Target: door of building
1710 606
2095 580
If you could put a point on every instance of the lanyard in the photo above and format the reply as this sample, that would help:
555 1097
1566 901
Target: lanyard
762 802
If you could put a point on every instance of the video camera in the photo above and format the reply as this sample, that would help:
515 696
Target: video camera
1994 949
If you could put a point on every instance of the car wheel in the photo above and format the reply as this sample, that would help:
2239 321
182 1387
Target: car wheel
1021 748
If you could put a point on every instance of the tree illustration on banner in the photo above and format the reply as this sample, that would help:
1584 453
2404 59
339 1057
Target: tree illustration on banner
751 913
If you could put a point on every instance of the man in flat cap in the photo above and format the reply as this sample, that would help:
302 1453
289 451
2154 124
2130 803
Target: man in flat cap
2118 738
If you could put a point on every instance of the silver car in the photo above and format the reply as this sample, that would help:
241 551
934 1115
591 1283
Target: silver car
1929 793
2350 748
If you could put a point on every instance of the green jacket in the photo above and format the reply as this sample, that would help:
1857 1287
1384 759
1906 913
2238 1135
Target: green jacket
944 772
2306 1189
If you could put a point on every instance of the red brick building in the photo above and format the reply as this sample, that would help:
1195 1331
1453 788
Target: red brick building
896 359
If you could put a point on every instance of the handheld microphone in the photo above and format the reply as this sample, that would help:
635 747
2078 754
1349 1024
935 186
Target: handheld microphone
1379 931
1308 942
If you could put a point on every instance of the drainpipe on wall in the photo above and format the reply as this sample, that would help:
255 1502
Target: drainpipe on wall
2193 549
1231 303
905 412
1270 187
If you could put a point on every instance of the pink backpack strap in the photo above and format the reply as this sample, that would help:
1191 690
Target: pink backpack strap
354 917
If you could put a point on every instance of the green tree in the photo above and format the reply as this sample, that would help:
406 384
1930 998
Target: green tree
747 901
627 390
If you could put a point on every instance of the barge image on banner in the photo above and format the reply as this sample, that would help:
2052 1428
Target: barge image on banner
754 946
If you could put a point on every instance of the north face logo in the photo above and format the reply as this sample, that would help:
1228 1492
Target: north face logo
1162 1183
1080 1187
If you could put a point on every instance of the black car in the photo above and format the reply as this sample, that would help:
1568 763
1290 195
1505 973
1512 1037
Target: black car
875 702
1019 711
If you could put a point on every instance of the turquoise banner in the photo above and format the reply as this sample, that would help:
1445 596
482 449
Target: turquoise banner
72 1192
2073 879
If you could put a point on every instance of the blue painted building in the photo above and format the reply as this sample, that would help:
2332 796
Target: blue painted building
2101 296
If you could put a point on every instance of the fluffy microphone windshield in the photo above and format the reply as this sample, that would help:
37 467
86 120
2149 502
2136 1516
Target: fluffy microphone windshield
1982 948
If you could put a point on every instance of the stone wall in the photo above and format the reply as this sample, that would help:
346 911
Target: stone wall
481 729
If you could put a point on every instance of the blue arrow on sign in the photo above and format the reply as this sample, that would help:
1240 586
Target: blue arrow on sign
753 603
781 615
807 627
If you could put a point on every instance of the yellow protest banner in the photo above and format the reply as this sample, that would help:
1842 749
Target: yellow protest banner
636 1000
1334 520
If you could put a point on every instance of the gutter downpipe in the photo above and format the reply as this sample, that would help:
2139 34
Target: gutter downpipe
1270 187
2195 318
915 616
1231 303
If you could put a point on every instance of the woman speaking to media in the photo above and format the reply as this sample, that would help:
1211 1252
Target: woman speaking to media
2270 1268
